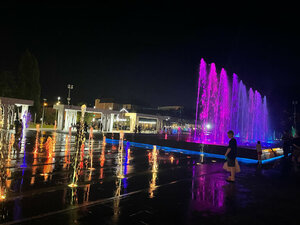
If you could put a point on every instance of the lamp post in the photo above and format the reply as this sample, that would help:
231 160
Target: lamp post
70 87
295 102
57 103
44 104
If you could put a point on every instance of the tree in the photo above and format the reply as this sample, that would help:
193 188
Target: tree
50 114
7 84
29 80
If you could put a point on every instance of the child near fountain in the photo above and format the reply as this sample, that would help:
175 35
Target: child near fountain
259 153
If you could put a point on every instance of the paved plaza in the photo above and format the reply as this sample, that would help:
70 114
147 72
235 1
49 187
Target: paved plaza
133 185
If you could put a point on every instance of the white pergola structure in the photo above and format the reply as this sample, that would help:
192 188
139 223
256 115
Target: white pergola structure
67 115
9 107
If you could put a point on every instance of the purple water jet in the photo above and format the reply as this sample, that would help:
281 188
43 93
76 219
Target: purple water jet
223 105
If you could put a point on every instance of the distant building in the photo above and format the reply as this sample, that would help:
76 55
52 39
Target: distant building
128 117
107 105
166 108
150 119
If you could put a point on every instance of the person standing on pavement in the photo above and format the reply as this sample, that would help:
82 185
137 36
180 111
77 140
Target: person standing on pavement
230 155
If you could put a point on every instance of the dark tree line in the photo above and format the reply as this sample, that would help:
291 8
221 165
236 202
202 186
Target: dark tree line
23 82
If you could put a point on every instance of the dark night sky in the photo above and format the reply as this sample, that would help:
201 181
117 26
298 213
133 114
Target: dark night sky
149 52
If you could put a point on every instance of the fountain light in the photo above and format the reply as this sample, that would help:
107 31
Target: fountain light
172 159
73 185
2 197
208 126
120 176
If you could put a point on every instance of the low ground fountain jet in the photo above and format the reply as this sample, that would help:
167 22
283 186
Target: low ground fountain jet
80 142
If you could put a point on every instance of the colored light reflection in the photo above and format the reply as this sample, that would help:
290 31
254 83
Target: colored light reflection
91 148
120 169
207 191
22 145
116 204
102 161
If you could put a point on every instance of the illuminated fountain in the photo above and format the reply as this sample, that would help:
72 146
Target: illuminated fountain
10 145
50 150
224 105
3 177
120 170
36 146
91 148
68 148
153 161
49 146
67 151
80 142
102 161
22 146
127 153
81 156
120 176
104 140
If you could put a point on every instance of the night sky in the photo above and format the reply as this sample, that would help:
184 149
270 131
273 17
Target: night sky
149 53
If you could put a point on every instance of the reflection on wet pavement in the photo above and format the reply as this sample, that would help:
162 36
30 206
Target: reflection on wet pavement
120 183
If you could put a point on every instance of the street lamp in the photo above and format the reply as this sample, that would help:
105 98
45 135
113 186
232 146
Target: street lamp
70 87
58 100
44 104
295 102
57 103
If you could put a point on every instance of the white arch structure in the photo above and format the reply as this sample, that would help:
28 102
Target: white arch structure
67 115
9 107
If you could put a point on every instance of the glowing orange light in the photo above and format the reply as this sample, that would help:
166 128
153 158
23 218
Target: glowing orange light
72 185
120 176
172 159
102 157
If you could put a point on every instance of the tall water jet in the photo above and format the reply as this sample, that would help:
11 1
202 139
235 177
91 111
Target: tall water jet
201 84
243 112
80 143
224 104
265 119
251 113
234 103
212 92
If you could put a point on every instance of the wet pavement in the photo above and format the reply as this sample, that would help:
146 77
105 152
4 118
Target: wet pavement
130 185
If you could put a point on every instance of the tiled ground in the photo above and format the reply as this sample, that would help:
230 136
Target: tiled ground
167 188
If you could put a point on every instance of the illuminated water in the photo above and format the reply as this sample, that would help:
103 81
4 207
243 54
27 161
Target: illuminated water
224 103
127 185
